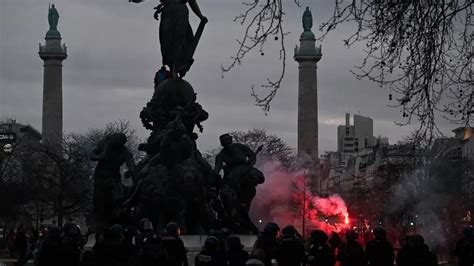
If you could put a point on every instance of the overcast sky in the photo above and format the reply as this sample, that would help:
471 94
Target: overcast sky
113 53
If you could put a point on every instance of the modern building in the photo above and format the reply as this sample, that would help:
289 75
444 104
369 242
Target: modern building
307 55
356 137
466 139
52 53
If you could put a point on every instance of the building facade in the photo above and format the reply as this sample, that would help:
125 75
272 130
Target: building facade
356 137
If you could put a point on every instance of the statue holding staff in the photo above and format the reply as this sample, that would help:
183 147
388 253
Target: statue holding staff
177 40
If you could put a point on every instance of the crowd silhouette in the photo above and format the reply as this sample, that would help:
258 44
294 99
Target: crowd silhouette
145 246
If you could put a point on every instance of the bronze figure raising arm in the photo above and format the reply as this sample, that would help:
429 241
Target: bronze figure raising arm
195 7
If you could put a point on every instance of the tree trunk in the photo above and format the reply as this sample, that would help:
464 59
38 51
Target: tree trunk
60 211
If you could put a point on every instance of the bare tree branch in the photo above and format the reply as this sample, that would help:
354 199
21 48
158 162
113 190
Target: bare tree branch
419 50
263 21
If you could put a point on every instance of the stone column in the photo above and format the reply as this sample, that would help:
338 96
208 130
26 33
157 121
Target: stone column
307 55
52 53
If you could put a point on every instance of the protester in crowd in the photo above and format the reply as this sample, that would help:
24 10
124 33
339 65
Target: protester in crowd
415 253
50 250
351 252
235 254
379 252
129 246
11 242
319 251
464 249
152 252
210 255
21 242
290 250
222 235
145 229
267 242
334 243
174 246
109 249
32 246
71 244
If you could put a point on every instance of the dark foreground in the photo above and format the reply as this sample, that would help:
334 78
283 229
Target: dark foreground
144 246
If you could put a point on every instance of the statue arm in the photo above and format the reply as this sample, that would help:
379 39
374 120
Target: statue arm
219 162
195 7
251 156
130 164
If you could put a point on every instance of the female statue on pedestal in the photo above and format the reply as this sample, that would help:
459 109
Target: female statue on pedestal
176 37
53 17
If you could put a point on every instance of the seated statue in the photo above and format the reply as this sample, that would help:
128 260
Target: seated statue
239 173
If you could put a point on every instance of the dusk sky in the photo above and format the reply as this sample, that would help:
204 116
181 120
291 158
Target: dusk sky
113 53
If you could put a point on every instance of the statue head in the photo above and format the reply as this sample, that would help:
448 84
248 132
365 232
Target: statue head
118 139
225 139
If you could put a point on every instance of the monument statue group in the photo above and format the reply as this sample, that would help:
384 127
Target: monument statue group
173 182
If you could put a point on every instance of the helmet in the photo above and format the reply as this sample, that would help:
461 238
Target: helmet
319 236
172 228
54 232
467 232
288 230
146 225
271 228
223 233
351 235
233 242
380 233
211 242
416 240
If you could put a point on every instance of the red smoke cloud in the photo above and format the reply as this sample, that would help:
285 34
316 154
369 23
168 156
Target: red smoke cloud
335 210
284 198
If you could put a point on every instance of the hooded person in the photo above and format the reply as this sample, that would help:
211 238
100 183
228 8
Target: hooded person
379 251
267 241
415 253
174 246
290 250
152 252
50 252
109 249
235 254
464 249
319 250
351 252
